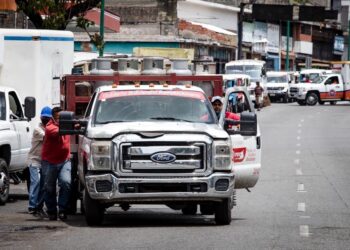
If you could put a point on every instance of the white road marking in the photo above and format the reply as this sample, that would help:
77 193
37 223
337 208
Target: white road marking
304 231
298 144
301 207
298 172
299 125
296 161
302 120
299 131
304 217
298 152
301 187
298 137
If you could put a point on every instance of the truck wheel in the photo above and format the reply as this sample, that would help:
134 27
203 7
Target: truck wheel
321 102
223 212
4 182
207 209
311 99
94 211
189 209
301 102
333 102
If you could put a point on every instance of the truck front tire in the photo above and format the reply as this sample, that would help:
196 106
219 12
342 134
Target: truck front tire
4 182
223 212
312 99
94 211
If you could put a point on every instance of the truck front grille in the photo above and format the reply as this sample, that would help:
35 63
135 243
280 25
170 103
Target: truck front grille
293 90
162 158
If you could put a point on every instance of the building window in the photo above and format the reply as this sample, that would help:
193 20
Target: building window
305 29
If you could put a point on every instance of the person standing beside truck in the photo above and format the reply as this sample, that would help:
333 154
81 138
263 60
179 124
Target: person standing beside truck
34 164
258 91
57 166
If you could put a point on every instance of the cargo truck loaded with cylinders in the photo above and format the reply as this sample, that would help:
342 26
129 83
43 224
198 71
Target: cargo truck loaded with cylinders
146 139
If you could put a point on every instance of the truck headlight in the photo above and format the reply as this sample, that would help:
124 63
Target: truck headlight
100 157
222 156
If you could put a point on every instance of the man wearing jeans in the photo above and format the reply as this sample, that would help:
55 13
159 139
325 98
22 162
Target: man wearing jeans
57 166
34 164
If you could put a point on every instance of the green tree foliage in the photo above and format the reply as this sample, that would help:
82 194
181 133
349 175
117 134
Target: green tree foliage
54 14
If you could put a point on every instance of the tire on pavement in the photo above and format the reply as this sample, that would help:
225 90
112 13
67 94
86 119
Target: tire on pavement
4 182
301 102
333 102
312 99
94 211
223 212
321 102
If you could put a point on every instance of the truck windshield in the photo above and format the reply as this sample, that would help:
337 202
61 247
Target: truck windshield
277 79
2 106
312 77
153 105
254 71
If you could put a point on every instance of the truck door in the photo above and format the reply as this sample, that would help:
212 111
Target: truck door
22 129
334 88
246 149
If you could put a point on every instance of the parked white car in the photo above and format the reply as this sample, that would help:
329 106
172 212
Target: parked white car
15 135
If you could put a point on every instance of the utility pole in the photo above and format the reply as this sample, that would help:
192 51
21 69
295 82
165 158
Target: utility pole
349 41
102 26
240 29
288 34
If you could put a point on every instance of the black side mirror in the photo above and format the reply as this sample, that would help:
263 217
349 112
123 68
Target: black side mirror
248 125
29 107
70 126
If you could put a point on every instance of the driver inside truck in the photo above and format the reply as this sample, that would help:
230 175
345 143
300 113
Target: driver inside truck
335 80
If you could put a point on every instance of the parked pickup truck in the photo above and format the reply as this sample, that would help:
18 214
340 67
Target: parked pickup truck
15 135
326 88
163 144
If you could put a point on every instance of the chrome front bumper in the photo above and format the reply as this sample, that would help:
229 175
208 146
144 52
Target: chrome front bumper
115 196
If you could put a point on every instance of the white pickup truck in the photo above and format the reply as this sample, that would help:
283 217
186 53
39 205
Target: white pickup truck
163 144
326 88
15 134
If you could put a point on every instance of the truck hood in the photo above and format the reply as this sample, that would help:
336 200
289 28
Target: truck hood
4 125
108 131
304 85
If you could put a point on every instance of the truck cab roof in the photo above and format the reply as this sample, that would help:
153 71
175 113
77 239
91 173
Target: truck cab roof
150 87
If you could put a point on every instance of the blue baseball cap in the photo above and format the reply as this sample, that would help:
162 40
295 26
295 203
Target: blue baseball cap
46 112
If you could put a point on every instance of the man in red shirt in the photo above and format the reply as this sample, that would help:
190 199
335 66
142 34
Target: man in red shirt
57 166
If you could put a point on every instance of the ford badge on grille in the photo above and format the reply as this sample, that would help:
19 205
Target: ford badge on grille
163 157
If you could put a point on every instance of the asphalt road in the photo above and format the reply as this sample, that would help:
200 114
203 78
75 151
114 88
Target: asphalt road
302 200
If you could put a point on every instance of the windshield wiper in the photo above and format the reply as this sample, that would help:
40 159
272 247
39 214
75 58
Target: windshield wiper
169 119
